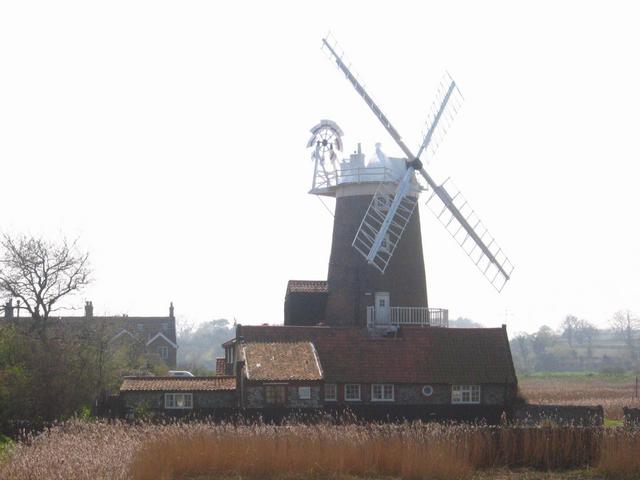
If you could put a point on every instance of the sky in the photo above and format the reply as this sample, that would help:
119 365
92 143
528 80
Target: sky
169 139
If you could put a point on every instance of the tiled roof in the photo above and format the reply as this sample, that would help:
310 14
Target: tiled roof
307 286
188 384
415 355
281 361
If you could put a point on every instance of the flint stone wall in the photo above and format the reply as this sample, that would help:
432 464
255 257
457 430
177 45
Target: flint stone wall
631 417
559 414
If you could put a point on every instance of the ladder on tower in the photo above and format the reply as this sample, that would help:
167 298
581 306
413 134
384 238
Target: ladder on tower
379 233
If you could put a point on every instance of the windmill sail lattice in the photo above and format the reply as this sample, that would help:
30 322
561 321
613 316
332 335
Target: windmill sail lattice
384 222
458 218
463 224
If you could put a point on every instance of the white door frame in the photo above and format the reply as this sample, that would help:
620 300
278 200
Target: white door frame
382 308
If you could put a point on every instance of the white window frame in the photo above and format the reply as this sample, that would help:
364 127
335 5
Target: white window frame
171 401
163 351
352 399
304 393
466 394
382 392
330 387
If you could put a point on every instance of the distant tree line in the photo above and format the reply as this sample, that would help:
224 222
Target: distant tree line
577 345
200 345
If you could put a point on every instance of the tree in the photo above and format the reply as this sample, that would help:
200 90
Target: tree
625 323
199 346
40 273
569 327
585 331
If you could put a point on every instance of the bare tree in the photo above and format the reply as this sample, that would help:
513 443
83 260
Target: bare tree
569 327
625 323
40 273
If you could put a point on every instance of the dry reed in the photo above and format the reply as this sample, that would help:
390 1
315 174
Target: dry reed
612 394
77 450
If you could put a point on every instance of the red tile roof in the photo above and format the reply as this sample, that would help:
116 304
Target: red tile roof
307 286
280 361
415 355
188 384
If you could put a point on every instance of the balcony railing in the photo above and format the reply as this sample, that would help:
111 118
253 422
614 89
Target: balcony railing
420 316
325 181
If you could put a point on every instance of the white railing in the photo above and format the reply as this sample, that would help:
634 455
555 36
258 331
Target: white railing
331 179
420 316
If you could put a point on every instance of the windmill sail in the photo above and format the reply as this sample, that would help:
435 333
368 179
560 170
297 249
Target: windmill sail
387 216
459 221
443 110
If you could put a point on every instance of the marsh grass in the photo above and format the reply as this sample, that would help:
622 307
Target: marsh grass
613 392
82 450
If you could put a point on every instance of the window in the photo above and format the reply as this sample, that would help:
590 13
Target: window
465 394
352 392
228 353
165 327
140 327
382 392
163 351
427 390
382 302
178 400
275 394
304 393
330 392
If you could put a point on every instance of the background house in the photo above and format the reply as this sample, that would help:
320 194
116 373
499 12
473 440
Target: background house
153 336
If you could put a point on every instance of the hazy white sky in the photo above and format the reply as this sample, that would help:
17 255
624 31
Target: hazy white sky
170 138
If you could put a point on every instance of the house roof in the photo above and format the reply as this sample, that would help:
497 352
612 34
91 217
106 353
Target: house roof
415 355
307 286
189 384
162 336
279 361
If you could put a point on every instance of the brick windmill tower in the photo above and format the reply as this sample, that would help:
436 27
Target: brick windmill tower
376 275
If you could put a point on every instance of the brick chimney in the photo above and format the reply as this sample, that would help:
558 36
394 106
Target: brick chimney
88 309
8 309
171 310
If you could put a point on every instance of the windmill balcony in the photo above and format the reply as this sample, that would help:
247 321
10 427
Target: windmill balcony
419 316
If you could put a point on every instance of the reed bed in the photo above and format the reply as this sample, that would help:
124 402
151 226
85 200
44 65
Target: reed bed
96 450
611 394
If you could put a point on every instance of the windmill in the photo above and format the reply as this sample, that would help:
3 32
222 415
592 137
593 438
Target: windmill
392 206
326 140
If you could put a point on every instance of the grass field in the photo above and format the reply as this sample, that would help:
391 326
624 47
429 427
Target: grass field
612 391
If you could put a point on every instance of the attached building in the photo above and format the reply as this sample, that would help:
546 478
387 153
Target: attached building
306 367
178 395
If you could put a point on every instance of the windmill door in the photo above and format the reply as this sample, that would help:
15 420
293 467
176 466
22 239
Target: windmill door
383 309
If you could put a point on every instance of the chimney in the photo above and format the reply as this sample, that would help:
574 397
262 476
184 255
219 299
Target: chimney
8 309
88 309
171 310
